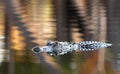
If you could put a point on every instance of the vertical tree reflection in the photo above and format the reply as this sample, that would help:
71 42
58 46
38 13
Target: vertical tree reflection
27 23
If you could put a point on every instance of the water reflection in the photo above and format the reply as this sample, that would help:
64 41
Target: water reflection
27 23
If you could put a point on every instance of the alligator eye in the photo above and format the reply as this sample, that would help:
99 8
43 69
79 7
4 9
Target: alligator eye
36 49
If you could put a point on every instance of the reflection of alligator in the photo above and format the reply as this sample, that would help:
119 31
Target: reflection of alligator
60 48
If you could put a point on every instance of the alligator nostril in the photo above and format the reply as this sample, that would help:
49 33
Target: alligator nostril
36 49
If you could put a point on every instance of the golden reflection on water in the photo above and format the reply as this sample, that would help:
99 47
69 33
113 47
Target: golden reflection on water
34 22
